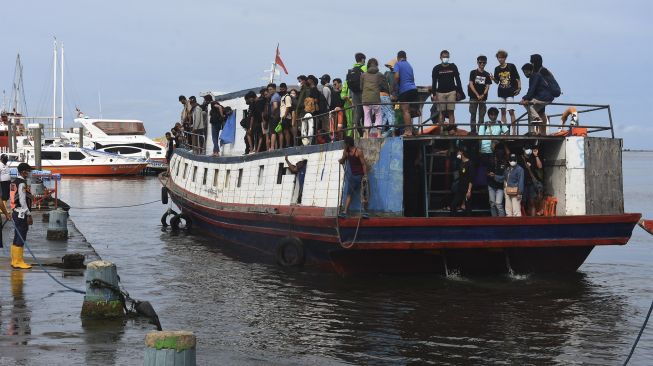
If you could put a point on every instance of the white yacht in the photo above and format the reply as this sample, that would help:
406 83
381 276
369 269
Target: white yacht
120 136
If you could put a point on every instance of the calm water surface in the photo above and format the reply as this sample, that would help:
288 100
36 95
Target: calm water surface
253 313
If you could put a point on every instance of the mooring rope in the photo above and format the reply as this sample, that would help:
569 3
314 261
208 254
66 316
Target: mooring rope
632 350
123 206
41 265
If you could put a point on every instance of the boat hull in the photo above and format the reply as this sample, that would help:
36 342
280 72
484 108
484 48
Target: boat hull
408 245
97 170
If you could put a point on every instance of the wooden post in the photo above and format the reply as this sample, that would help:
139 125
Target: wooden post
170 348
36 134
57 225
101 302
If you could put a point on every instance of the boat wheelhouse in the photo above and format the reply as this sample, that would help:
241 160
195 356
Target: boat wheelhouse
256 205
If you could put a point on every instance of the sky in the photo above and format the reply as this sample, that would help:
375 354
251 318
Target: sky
137 57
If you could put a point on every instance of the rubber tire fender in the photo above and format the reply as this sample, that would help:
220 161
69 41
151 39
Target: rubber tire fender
290 242
164 218
176 220
164 195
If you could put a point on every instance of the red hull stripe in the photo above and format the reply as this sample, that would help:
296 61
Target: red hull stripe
492 244
97 169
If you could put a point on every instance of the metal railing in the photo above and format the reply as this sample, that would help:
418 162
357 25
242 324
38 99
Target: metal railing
524 120
194 142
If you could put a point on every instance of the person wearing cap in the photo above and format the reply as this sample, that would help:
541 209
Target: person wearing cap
463 194
5 179
513 186
22 216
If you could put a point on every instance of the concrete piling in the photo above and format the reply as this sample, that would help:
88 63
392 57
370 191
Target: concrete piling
57 225
170 348
101 300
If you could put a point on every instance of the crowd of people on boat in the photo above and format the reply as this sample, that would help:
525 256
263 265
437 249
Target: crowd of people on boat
514 177
369 103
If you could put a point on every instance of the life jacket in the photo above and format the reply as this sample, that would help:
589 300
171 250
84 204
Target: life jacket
16 199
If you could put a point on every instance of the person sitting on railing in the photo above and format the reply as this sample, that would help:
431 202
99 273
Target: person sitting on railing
536 99
507 77
405 79
372 84
445 84
478 88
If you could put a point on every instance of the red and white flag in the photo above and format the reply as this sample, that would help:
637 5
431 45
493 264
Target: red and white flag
277 60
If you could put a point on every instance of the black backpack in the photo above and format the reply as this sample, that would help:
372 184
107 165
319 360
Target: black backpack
354 79
322 103
551 83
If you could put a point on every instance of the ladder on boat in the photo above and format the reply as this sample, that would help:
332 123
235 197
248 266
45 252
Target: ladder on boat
439 177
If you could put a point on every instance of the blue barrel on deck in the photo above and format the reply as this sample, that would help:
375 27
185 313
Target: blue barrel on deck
58 225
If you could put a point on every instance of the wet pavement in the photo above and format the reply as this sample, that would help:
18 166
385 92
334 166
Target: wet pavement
251 313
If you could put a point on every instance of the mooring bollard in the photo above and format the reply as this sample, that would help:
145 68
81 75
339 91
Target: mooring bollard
101 300
57 225
170 348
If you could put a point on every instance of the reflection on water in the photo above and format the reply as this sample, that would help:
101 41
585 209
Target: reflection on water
253 313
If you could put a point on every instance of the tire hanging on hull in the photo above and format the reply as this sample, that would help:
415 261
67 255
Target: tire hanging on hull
290 252
175 222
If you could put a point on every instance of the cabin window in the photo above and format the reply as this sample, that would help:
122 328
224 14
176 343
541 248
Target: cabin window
194 173
226 178
206 171
123 150
51 155
261 168
215 177
185 170
240 177
76 155
280 173
178 164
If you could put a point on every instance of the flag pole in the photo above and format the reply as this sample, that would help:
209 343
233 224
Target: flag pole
274 65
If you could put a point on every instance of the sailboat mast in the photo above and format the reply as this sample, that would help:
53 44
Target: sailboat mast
61 67
54 87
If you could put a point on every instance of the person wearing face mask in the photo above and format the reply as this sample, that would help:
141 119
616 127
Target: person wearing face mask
495 178
445 84
513 186
536 99
22 216
463 194
533 179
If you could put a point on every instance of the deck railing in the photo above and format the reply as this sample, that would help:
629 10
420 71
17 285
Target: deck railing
522 121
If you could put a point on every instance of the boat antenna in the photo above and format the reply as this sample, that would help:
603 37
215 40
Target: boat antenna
61 124
54 87
99 100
